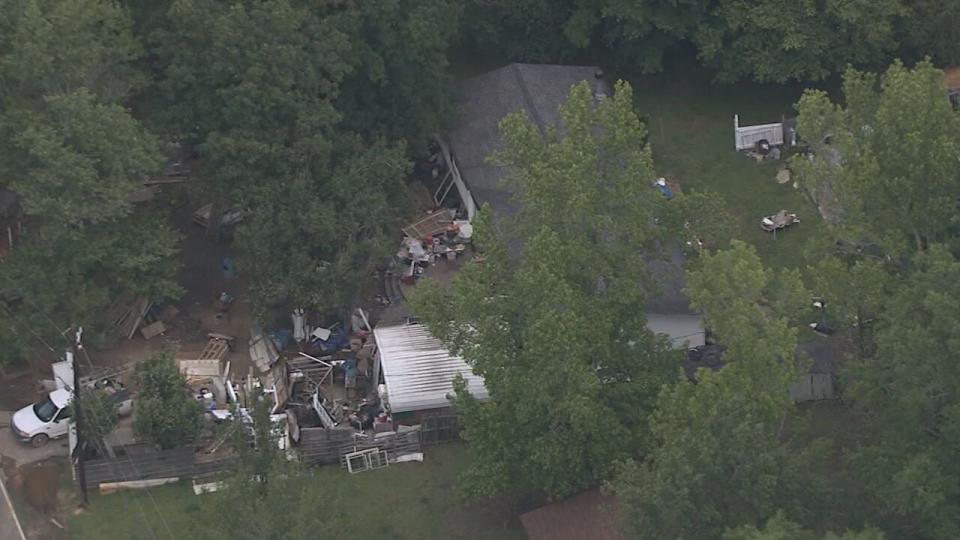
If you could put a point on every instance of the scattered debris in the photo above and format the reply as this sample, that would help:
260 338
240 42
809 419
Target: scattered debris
784 176
780 220
207 487
263 352
434 223
107 488
152 330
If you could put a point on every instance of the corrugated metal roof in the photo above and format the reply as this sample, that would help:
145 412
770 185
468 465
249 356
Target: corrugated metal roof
418 370
684 331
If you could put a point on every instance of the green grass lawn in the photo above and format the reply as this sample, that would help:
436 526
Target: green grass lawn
691 132
404 501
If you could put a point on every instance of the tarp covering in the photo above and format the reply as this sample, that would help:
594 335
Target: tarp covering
418 370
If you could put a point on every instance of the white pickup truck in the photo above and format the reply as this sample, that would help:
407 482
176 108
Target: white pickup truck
49 418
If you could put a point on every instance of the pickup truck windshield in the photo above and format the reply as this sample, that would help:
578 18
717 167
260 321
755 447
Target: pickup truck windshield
45 410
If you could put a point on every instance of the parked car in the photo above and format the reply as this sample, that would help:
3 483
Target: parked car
49 418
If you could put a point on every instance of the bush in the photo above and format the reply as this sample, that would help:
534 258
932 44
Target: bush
166 414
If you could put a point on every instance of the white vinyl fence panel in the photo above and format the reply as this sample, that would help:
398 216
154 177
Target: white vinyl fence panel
747 137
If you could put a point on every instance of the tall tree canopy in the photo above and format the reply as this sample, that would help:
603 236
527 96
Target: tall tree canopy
768 40
780 528
911 391
563 347
74 154
398 86
892 151
717 452
300 110
51 48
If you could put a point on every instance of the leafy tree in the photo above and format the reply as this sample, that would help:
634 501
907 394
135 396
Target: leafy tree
519 30
258 75
78 161
718 455
398 86
278 498
855 294
747 305
58 47
98 417
718 452
537 317
779 527
317 235
166 414
910 390
635 33
75 155
778 40
897 142
262 102
929 31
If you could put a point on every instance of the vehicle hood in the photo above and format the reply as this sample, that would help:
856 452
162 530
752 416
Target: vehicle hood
26 420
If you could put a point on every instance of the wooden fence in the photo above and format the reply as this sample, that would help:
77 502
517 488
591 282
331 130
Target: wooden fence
141 462
324 446
439 429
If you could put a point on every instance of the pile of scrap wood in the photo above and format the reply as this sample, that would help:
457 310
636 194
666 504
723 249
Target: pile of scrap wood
216 349
126 316
433 223
263 352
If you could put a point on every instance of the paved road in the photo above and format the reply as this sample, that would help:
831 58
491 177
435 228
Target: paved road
9 526
23 453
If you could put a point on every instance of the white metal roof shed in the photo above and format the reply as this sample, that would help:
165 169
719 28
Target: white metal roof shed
418 370
683 331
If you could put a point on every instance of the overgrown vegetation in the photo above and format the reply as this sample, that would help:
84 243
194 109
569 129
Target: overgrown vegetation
167 415
306 117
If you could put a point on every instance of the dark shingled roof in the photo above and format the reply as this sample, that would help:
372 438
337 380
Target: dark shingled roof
538 89
590 515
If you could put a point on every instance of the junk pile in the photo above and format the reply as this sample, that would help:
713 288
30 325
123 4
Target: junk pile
434 238
778 221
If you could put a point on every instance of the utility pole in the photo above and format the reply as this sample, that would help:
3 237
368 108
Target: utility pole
75 346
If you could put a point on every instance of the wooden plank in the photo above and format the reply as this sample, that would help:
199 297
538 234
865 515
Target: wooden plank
153 330
107 488
141 306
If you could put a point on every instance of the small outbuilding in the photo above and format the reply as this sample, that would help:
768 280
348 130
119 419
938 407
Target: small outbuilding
418 371
591 515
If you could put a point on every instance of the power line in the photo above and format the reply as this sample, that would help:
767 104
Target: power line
29 329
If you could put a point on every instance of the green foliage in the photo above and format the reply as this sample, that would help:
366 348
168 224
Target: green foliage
98 416
912 393
51 48
268 496
779 40
77 161
166 415
314 238
95 265
75 154
562 345
779 527
746 305
717 456
398 86
520 30
635 33
718 452
855 294
931 31
263 99
898 142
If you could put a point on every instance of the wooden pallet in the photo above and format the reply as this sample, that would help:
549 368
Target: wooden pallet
432 224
